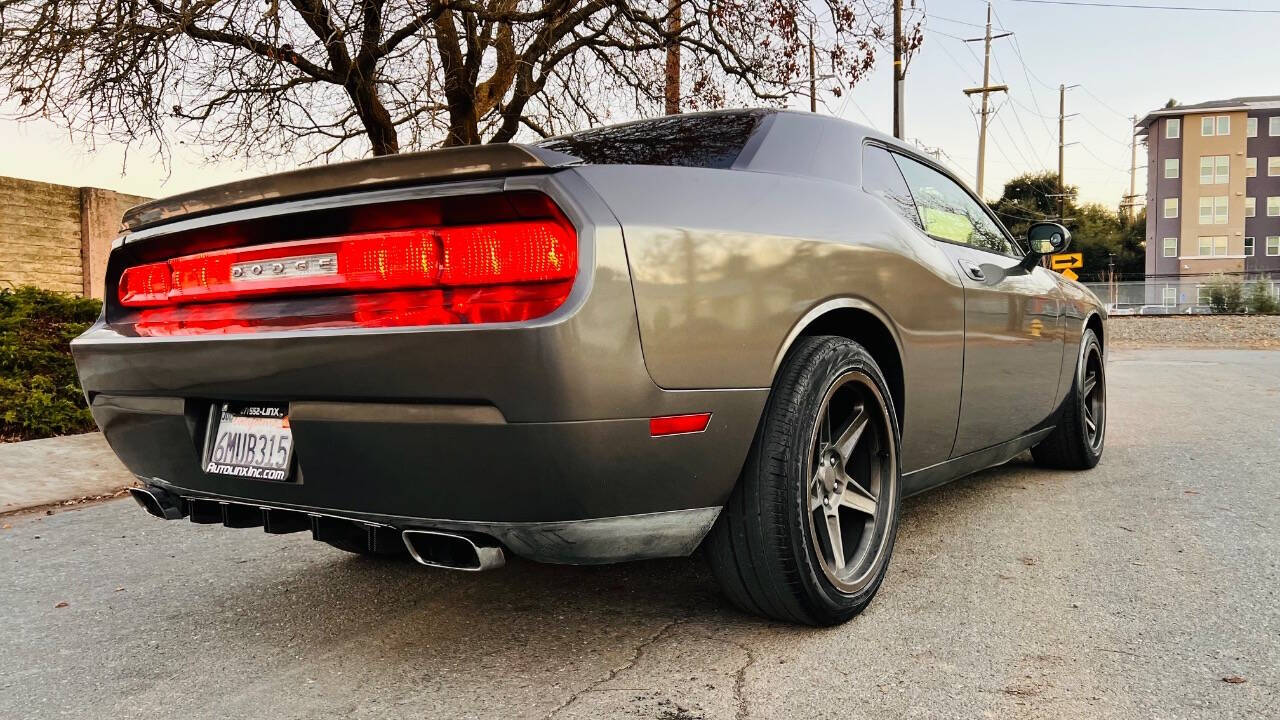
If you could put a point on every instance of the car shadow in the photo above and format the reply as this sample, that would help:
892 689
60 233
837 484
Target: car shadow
332 591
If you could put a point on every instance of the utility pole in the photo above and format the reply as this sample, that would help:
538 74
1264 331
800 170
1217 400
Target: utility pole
899 74
1133 165
813 73
673 58
1062 125
1062 144
1130 203
986 89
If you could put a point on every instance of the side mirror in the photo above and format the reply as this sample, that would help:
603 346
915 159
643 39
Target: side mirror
1045 238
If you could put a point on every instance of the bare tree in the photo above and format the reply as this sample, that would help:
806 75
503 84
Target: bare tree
345 77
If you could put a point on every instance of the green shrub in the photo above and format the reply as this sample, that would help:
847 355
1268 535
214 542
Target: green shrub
1225 295
39 392
1260 298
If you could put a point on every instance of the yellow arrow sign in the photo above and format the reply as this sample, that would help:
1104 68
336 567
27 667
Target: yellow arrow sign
1066 273
1066 261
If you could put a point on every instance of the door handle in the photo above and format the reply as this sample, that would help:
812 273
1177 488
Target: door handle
973 271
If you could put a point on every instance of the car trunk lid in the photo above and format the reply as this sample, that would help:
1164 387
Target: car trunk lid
458 163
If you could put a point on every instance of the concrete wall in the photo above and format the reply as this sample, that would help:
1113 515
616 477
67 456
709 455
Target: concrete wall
57 237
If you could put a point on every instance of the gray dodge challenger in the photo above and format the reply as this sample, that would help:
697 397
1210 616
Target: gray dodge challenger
751 332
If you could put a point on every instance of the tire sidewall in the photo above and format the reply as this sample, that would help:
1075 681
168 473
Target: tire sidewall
835 360
1090 340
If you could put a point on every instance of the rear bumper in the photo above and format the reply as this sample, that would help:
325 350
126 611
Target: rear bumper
674 533
419 462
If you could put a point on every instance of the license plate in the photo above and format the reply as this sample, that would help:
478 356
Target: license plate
251 441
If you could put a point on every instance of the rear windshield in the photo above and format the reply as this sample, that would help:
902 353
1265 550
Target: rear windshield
706 141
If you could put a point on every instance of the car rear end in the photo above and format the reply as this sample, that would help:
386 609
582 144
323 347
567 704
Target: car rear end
440 349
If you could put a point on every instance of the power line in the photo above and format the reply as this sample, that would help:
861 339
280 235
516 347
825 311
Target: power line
1104 133
1027 74
1104 162
1103 104
1135 6
954 61
1031 146
961 22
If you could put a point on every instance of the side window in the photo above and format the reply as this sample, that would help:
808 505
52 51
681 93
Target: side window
881 177
948 212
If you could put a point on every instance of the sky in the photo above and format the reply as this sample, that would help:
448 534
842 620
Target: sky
1124 61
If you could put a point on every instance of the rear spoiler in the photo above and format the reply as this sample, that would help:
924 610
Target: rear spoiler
381 172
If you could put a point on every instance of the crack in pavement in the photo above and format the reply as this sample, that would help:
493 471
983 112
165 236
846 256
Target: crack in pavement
739 676
630 663
740 682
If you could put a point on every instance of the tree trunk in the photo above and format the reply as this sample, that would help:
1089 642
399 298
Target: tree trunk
373 114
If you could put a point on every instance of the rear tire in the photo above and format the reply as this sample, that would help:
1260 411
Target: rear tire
1076 443
822 474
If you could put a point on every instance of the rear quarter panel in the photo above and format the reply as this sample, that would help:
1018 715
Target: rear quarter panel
728 266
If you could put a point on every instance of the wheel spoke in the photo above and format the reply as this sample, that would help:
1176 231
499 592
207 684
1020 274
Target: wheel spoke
1089 423
834 544
851 433
857 497
1089 383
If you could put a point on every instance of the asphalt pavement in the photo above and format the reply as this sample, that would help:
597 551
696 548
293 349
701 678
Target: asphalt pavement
1130 591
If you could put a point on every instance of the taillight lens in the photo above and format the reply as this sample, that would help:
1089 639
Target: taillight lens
145 285
494 272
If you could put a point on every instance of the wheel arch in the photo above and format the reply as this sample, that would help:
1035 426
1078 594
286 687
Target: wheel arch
1094 323
861 322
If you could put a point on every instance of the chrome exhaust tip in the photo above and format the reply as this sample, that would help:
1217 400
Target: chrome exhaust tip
454 551
159 503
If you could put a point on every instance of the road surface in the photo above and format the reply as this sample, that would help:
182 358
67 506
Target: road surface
1130 591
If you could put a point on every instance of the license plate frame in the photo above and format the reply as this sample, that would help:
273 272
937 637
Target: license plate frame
250 440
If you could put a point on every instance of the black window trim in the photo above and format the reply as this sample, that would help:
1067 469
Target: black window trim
935 166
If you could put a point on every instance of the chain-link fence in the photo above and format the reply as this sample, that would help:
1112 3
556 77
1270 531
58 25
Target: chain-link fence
1165 296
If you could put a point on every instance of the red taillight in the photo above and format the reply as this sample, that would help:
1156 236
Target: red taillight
145 285
496 272
678 424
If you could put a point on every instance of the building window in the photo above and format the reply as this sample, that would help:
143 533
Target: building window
1273 245
1213 210
1215 169
1170 296
1273 126
1215 125
1171 168
1171 207
1273 206
1173 128
1251 167
1273 166
1251 127
1202 295
1248 247
1213 245
1250 206
1171 247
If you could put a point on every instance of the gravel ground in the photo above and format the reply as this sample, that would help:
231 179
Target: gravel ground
1227 331
1146 588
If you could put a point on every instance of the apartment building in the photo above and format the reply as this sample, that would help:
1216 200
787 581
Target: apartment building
1213 194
